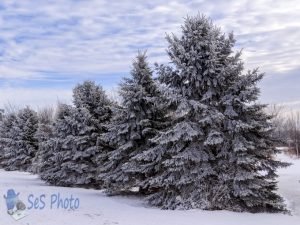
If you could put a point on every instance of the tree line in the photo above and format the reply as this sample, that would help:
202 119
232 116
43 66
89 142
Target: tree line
192 137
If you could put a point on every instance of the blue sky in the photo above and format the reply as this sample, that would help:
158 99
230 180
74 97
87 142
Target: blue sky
48 46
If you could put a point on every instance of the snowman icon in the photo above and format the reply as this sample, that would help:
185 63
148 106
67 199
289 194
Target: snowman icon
13 203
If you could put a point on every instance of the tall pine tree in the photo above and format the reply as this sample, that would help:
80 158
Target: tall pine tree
76 135
136 122
6 147
218 152
1 114
43 134
52 147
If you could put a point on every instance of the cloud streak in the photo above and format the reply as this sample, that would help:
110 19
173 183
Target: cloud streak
61 42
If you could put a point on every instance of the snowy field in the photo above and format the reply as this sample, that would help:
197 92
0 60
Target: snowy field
97 209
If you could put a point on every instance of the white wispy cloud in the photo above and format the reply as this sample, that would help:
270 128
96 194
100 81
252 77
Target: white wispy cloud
36 97
75 39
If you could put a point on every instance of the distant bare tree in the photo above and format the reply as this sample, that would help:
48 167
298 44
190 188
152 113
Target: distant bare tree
288 129
293 124
113 94
10 108
278 120
46 114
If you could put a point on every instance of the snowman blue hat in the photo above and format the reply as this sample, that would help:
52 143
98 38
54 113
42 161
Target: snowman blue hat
11 193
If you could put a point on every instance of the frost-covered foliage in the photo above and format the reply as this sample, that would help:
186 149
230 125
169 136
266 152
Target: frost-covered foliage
50 160
6 124
137 121
75 143
92 97
43 134
217 153
1 114
18 139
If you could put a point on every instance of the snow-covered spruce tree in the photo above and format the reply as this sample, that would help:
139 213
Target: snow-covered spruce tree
1 114
92 97
22 144
67 164
6 124
137 121
52 148
80 147
218 152
43 134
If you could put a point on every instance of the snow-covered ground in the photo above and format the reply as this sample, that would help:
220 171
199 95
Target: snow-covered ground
97 209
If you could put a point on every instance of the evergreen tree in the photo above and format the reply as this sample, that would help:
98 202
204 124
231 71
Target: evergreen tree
76 136
92 97
70 169
136 122
52 148
43 134
20 142
218 151
1 114
6 147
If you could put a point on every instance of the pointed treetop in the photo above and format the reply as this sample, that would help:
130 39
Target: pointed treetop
89 95
141 71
